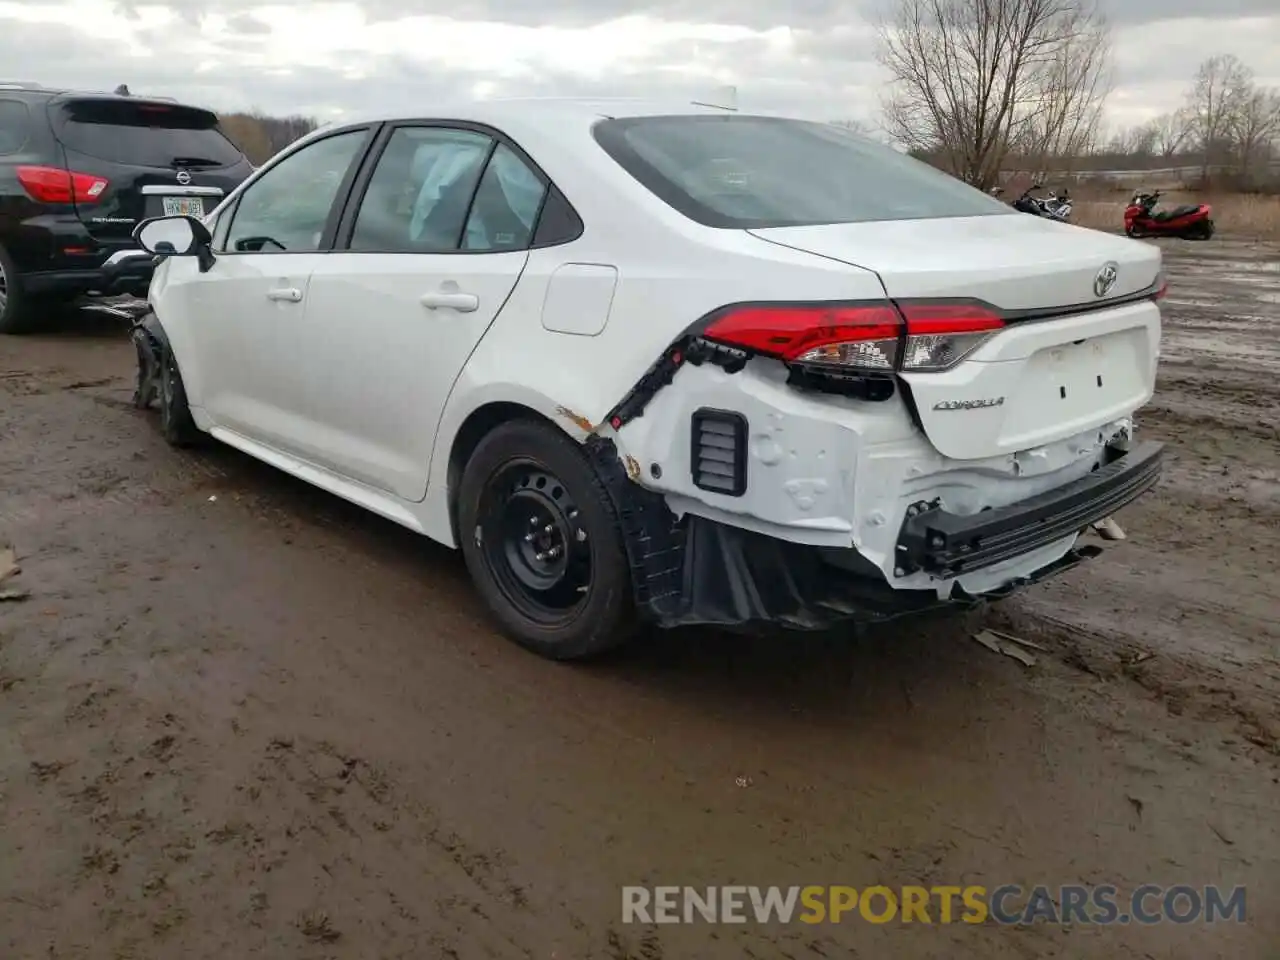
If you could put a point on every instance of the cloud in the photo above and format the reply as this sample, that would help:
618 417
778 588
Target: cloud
811 57
246 24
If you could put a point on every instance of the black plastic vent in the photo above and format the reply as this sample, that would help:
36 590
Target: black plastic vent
719 451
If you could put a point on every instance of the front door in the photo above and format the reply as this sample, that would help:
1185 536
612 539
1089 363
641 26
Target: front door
423 265
249 310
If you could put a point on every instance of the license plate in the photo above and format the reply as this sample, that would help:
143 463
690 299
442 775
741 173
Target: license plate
184 207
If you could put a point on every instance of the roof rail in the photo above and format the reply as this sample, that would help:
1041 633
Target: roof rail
21 85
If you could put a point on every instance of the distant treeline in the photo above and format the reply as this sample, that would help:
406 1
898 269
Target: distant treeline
261 136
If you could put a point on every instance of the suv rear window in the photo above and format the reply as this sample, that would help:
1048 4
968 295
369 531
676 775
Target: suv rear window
15 125
145 134
748 172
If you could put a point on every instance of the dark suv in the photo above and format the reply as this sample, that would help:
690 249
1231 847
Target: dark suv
78 171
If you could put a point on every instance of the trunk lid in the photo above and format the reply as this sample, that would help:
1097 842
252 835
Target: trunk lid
1069 359
158 159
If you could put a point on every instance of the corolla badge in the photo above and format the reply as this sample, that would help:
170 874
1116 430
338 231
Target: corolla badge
1106 279
183 177
969 404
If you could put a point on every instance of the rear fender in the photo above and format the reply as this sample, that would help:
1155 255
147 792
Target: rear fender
493 401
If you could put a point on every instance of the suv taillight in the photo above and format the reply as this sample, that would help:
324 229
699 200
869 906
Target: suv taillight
55 185
918 336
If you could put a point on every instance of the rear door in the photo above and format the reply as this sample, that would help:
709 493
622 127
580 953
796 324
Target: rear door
158 158
424 263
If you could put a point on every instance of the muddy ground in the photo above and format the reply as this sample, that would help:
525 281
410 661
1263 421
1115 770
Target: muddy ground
241 718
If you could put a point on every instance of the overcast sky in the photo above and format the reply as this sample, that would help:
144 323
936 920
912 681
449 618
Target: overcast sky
814 57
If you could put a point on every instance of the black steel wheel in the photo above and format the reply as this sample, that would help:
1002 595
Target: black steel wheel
533 545
542 542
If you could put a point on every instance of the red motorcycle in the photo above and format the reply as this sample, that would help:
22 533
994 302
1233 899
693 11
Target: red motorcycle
1191 221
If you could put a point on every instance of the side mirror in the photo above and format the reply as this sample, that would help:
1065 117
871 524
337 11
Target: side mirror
176 237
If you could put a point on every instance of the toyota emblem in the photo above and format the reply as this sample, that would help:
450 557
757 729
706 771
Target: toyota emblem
183 177
1105 280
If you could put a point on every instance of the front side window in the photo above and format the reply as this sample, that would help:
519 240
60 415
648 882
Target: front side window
286 209
420 191
745 172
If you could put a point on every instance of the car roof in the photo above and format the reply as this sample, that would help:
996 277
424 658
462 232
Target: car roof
496 112
28 89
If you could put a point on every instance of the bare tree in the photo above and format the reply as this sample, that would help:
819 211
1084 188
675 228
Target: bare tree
1254 126
1064 124
1219 93
1136 141
973 79
1170 132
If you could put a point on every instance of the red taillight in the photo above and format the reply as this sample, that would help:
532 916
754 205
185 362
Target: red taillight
55 185
1162 287
852 334
915 336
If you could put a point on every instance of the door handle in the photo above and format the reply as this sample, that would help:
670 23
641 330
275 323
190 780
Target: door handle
285 294
462 302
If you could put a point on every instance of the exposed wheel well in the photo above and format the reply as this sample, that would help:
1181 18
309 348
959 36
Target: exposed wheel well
474 429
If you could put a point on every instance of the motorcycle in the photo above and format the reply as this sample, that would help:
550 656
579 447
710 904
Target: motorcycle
1052 207
1057 206
1191 221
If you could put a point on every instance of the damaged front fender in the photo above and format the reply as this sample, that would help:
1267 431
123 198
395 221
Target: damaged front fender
150 343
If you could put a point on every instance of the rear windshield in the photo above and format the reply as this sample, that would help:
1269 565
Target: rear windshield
146 134
14 124
742 172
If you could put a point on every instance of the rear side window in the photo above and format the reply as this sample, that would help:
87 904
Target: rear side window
15 126
506 206
420 191
742 172
145 134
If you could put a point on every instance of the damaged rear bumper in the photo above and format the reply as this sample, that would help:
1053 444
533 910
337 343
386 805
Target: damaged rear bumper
694 570
949 545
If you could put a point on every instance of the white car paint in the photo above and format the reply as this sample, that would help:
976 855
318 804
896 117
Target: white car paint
362 382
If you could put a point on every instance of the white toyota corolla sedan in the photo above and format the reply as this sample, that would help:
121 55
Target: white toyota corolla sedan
664 363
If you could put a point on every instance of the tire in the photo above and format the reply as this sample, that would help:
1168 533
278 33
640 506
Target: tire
17 315
176 423
566 605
